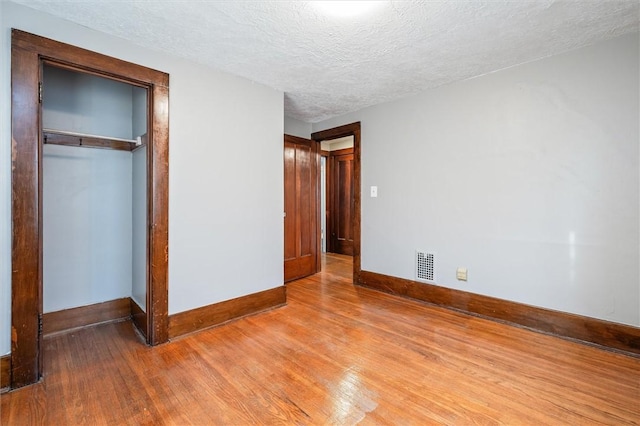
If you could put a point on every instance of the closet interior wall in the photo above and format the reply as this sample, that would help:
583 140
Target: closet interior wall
94 200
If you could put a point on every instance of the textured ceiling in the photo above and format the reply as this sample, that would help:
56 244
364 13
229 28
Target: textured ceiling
328 66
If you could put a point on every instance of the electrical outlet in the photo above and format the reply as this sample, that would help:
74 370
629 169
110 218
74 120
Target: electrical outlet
461 274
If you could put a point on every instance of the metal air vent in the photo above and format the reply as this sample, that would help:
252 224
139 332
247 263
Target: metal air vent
425 269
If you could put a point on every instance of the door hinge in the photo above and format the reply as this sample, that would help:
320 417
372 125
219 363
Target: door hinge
39 92
40 324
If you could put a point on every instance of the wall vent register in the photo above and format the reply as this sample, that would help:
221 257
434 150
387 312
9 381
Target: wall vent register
425 269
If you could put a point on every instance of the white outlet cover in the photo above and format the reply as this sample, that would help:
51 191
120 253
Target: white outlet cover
461 274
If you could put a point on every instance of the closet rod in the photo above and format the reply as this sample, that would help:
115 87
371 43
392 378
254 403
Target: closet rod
85 135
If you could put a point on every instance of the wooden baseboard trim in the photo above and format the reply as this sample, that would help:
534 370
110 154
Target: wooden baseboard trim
218 313
5 373
139 317
608 334
113 310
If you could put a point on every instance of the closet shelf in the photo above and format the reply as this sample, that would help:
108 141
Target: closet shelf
63 137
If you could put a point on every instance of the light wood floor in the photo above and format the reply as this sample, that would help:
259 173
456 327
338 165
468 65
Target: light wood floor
337 354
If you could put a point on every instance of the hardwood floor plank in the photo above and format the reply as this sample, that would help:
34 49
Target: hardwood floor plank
336 354
492 355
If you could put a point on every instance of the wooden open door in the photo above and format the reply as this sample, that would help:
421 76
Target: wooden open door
341 202
300 207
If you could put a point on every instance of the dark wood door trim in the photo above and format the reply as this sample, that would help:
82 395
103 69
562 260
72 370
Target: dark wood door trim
28 53
352 129
343 151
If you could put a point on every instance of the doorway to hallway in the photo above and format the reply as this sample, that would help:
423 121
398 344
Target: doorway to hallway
337 201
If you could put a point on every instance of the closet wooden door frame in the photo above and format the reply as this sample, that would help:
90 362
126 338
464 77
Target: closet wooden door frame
28 53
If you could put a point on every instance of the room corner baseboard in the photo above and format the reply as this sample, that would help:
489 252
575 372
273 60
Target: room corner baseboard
139 317
67 319
208 316
5 373
608 334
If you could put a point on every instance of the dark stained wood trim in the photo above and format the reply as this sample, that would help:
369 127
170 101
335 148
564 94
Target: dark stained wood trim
343 151
75 59
352 129
29 52
86 142
83 316
138 316
218 313
577 327
26 250
5 372
158 215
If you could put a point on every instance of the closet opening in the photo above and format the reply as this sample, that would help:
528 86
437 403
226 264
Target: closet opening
94 201
89 192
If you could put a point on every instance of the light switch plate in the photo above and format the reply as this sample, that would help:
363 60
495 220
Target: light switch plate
374 191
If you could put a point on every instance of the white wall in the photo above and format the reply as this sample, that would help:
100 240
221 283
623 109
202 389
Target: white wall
296 127
139 227
139 201
337 144
139 119
94 213
86 226
5 184
85 103
528 177
225 199
87 193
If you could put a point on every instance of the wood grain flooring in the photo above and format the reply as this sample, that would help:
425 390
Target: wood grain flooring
336 354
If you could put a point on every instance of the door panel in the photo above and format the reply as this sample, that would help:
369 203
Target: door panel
300 207
342 203
289 201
